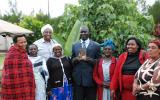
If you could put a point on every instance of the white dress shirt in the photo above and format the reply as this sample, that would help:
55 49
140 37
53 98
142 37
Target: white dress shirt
45 48
86 42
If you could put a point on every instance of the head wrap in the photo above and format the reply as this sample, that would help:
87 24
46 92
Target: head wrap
48 26
108 42
57 45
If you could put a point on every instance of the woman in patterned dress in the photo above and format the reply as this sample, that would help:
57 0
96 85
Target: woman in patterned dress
59 85
146 85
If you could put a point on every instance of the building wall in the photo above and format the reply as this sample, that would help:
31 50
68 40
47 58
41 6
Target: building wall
5 43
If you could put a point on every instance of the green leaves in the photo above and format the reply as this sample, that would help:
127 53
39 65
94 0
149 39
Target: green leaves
116 19
33 24
72 38
155 11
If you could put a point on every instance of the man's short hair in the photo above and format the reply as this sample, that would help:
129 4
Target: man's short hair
84 29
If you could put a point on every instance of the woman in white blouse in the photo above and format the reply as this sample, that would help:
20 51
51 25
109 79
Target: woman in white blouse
40 72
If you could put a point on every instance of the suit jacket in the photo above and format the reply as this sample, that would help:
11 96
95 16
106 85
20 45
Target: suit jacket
83 70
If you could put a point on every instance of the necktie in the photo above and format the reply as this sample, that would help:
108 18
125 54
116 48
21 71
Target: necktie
84 45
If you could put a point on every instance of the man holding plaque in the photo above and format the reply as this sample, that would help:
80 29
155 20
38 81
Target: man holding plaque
84 55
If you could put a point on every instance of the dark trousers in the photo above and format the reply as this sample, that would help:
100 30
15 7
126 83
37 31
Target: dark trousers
84 93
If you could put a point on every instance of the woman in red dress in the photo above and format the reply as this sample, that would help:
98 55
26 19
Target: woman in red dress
104 69
127 65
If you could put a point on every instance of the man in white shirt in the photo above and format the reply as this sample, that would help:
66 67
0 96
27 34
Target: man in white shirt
46 43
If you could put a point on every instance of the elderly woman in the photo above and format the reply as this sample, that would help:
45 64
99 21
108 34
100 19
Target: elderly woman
59 85
104 69
46 43
146 85
127 65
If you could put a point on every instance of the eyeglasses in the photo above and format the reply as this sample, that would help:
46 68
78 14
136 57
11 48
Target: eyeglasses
152 47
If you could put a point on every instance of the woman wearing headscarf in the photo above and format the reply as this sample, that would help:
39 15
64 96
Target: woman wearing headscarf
104 69
127 65
46 43
146 84
59 86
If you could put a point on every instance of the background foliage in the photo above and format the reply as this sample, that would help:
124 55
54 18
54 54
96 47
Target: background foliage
155 11
115 19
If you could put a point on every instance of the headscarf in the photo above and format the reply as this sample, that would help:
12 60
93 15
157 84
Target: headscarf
108 42
57 45
48 26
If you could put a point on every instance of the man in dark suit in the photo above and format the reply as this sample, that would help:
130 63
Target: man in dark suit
84 55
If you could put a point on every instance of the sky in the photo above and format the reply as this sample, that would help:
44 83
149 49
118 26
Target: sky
56 6
27 6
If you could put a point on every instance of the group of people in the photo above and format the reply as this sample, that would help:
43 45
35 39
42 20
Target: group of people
45 73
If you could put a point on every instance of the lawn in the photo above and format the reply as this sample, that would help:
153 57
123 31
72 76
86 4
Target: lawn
1 60
1 64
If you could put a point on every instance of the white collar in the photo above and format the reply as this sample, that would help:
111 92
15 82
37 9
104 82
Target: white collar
45 41
86 41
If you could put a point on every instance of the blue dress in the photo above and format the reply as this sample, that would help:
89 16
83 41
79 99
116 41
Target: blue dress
62 93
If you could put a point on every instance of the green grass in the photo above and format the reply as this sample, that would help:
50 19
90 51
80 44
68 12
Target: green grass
1 64
1 59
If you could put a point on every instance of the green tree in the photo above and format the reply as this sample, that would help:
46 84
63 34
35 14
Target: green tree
116 19
42 17
32 23
67 20
155 11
